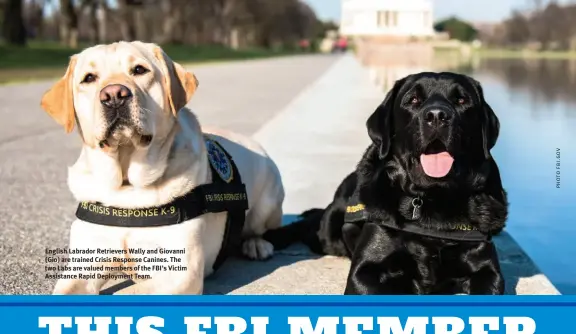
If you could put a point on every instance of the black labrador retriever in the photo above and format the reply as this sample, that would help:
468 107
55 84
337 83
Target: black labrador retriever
418 213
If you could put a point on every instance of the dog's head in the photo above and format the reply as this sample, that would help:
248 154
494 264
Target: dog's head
121 93
435 120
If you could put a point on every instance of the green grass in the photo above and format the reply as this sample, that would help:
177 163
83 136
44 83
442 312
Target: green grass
48 60
509 53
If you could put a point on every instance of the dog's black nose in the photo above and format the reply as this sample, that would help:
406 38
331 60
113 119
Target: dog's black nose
115 96
437 117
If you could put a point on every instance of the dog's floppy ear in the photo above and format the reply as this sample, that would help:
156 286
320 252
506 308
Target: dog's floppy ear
379 124
490 122
58 101
490 129
180 84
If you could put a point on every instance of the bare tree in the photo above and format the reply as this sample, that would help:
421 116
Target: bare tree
536 4
93 10
230 23
130 19
222 11
518 29
548 27
172 10
34 17
102 17
68 24
13 29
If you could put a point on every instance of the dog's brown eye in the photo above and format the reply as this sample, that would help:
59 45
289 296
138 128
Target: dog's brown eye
139 70
414 100
88 78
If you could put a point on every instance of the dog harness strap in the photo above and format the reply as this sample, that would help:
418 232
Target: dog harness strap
356 212
226 193
462 233
231 241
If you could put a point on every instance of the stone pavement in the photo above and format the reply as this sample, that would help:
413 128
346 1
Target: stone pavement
307 111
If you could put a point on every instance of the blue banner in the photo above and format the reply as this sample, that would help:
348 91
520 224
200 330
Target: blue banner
287 314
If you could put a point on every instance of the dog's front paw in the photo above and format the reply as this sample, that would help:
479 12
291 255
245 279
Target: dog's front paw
257 249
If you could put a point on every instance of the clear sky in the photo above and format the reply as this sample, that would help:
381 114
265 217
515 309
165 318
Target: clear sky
473 10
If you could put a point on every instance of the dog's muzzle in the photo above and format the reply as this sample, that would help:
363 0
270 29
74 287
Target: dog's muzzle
436 125
116 100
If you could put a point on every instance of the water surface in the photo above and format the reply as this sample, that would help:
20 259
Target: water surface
536 103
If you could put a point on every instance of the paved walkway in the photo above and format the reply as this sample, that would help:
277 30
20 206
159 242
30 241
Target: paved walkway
308 112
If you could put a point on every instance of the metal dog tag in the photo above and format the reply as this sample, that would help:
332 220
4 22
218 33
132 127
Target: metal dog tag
416 203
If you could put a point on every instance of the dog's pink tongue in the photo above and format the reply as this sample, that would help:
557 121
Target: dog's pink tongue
436 165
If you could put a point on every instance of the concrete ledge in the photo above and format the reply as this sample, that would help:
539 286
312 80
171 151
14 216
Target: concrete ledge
521 274
296 271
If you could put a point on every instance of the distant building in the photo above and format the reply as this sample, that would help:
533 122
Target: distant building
387 19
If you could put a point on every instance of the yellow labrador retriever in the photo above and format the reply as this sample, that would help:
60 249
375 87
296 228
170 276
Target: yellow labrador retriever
144 154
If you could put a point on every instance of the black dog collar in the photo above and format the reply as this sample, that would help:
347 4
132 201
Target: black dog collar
356 212
226 193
